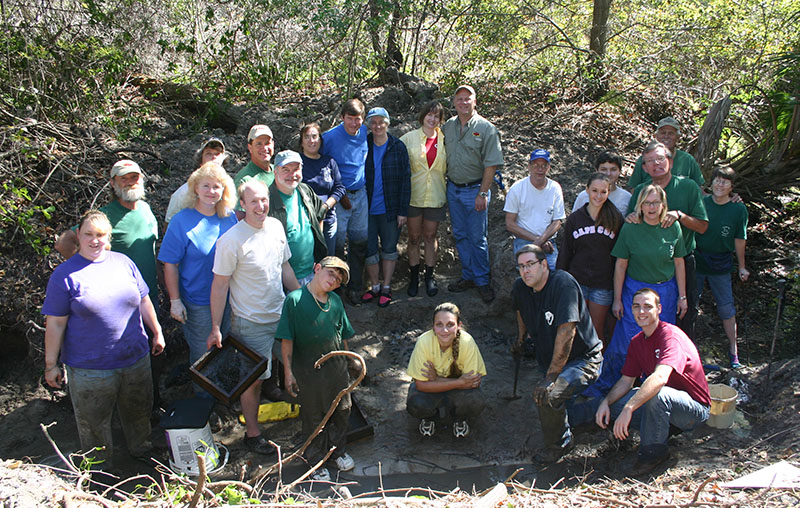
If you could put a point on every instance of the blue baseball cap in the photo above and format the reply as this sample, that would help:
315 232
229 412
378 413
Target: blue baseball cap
378 112
540 153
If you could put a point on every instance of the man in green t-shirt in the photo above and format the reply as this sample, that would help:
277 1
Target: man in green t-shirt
683 164
300 211
313 322
261 146
134 233
685 203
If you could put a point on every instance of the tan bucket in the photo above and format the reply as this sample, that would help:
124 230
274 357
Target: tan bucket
723 406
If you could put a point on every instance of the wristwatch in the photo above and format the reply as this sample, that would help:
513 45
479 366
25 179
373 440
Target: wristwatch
483 194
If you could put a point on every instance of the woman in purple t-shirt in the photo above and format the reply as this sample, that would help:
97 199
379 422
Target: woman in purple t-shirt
96 304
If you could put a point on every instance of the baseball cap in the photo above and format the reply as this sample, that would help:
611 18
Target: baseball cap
378 112
669 121
123 167
540 153
213 143
259 130
286 157
465 87
336 262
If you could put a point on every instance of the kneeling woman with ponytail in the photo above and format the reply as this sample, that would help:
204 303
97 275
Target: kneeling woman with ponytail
447 369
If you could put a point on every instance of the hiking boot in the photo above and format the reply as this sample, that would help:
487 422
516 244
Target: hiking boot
460 286
461 429
430 283
413 281
259 444
645 467
551 454
427 427
345 462
487 293
321 475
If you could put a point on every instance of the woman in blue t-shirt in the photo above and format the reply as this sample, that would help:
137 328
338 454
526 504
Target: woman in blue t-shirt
188 253
321 173
96 305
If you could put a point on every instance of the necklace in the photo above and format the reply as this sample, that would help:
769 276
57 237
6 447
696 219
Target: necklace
323 309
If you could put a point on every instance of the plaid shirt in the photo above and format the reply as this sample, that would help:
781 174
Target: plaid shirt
396 173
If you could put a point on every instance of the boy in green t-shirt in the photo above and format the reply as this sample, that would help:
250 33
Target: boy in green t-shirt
313 323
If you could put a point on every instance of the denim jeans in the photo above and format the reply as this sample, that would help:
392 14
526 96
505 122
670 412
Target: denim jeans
469 230
551 258
196 330
94 394
574 378
449 405
329 232
722 291
388 232
687 322
351 226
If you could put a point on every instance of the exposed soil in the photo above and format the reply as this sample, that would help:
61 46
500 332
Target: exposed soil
507 434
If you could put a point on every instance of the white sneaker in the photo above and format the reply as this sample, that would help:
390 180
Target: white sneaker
345 462
460 429
427 427
321 475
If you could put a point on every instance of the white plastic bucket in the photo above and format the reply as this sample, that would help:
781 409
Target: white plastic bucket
185 445
723 406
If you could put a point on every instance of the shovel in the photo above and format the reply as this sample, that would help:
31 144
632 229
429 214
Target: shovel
517 361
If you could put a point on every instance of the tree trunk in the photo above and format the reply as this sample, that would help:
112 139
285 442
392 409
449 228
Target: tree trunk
597 48
394 57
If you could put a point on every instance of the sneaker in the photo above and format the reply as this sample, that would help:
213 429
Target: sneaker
460 429
369 296
460 286
259 444
735 361
345 462
321 475
487 293
427 427
384 299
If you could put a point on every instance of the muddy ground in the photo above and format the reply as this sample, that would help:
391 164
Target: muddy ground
506 435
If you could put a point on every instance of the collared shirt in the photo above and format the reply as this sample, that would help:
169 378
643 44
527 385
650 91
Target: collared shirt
428 186
471 149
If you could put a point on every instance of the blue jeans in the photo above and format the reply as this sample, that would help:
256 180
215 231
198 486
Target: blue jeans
469 229
388 232
668 407
551 258
722 291
94 395
329 232
574 378
351 226
196 330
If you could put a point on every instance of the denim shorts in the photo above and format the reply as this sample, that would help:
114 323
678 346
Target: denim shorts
257 336
722 291
388 232
597 295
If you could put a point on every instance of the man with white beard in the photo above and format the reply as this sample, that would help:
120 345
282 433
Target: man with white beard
134 233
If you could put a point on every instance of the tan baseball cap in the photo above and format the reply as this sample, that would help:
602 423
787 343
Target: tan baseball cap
123 167
259 130
668 121
336 262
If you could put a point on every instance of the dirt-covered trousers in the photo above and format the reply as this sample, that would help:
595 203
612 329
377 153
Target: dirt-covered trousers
94 394
449 405
318 388
574 378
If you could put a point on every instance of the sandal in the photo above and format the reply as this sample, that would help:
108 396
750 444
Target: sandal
385 299
369 296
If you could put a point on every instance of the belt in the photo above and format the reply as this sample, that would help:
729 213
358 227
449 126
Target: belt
354 191
468 184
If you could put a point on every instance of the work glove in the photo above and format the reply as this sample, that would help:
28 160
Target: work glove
177 311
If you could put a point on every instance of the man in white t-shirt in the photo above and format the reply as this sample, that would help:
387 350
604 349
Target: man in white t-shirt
535 208
252 261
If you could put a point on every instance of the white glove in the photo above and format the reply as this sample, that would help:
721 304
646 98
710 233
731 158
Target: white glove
177 310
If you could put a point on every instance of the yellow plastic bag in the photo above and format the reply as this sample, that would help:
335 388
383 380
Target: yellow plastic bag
275 411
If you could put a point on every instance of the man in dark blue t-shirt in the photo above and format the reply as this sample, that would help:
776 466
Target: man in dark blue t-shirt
551 308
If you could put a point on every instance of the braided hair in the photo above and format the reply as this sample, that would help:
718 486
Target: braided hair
454 310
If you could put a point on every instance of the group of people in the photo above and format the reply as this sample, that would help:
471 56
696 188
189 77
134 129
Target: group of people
261 256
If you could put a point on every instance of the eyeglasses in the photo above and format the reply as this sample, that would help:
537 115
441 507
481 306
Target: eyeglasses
659 159
528 266
650 204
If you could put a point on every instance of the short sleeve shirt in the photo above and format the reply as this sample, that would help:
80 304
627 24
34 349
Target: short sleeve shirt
535 208
251 171
427 350
683 164
650 250
472 149
560 301
726 224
